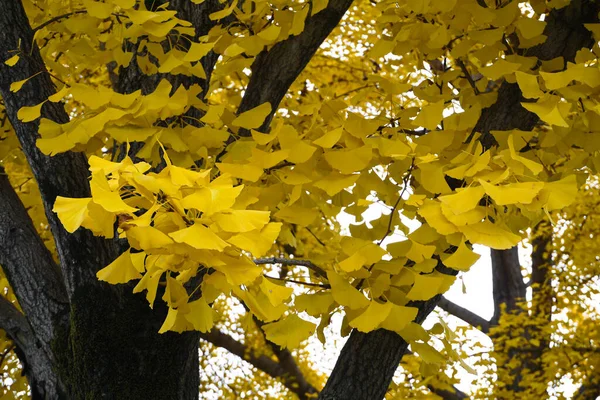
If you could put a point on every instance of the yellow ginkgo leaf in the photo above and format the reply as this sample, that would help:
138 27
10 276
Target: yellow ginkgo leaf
121 270
253 118
270 34
513 193
463 200
58 96
200 315
344 293
315 304
241 220
560 193
462 259
175 294
399 317
289 332
12 61
212 199
260 305
257 242
428 353
490 235
28 114
71 212
277 294
427 286
330 138
430 116
105 197
529 85
374 315
298 215
247 172
349 160
16 86
199 237
239 271
147 237
197 51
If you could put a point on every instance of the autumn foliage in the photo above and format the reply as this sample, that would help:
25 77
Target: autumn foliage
197 154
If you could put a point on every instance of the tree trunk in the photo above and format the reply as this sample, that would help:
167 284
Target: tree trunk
113 349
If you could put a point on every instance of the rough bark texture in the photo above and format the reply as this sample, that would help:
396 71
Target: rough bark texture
37 363
508 286
108 347
379 353
37 283
274 71
368 361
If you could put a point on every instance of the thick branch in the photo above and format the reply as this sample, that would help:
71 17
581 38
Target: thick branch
30 269
468 316
447 394
81 254
290 378
37 366
368 361
508 285
274 71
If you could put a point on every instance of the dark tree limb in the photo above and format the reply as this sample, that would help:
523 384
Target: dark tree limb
508 285
81 254
274 71
30 269
112 334
466 315
292 378
448 394
37 364
367 362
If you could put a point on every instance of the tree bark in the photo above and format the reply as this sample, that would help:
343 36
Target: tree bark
109 347
380 353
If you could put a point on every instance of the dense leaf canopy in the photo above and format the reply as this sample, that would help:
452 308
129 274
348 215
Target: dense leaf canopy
224 139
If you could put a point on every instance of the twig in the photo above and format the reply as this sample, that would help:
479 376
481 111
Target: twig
319 285
463 68
405 186
67 15
289 261
316 237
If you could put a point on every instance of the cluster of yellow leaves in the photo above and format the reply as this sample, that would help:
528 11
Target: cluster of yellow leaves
179 223
394 127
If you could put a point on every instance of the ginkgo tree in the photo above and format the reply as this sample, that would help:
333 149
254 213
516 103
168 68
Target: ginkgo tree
193 153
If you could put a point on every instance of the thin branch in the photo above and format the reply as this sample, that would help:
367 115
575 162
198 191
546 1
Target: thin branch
25 259
319 285
405 186
37 365
456 394
353 90
287 362
290 261
262 362
57 18
66 15
468 316
316 237
468 76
